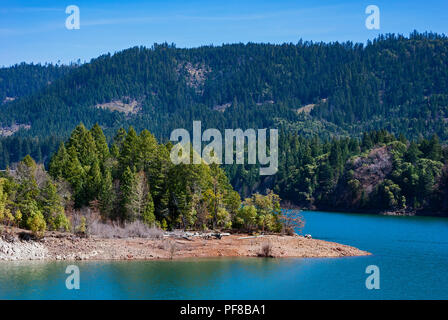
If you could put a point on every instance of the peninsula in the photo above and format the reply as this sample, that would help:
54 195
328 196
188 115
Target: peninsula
65 246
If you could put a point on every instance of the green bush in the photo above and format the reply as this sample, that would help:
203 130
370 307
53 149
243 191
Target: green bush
60 222
36 223
82 228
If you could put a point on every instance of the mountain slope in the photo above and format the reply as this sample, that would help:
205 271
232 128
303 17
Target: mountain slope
24 79
395 82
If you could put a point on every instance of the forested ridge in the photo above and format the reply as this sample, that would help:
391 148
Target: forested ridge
319 95
394 82
24 79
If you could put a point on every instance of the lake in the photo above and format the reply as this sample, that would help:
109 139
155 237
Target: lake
410 252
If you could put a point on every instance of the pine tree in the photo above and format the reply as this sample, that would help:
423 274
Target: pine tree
107 196
148 216
129 150
119 138
325 178
413 153
52 207
435 149
93 184
84 144
76 175
127 195
102 149
158 178
147 151
28 189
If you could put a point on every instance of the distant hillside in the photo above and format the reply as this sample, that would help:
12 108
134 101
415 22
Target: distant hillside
395 82
23 79
310 89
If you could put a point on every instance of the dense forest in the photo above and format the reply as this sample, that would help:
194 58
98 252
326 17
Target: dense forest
133 180
378 172
25 79
393 82
321 96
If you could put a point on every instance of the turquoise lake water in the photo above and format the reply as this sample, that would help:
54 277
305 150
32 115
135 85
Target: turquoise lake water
411 253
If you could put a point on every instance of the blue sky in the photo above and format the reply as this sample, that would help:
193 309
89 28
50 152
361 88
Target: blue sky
34 31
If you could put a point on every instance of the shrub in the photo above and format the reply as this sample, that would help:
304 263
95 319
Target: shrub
171 247
18 217
292 221
247 216
82 228
140 230
6 217
266 250
223 218
36 223
60 222
133 229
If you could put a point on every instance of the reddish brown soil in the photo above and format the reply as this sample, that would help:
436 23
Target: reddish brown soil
230 246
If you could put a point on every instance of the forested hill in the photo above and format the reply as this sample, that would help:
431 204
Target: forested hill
394 82
24 79
380 172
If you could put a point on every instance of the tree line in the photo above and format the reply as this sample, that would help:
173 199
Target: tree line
133 179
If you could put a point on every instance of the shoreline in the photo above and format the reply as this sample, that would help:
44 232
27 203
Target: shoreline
57 246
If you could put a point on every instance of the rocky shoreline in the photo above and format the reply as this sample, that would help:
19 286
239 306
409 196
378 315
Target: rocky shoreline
64 246
22 250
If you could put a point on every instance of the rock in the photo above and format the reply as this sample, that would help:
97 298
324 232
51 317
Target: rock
22 250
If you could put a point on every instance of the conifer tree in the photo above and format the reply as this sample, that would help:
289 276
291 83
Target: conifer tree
129 150
52 208
102 149
127 194
413 153
76 175
148 216
84 145
107 196
93 183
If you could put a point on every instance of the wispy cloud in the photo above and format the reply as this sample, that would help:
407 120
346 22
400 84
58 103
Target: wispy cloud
175 17
9 32
204 17
118 21
30 10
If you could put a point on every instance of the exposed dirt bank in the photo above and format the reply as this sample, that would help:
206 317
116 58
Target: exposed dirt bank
60 246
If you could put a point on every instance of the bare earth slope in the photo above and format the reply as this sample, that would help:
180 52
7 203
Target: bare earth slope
59 246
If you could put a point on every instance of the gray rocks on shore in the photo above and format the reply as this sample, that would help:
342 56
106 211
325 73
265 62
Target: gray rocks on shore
22 250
